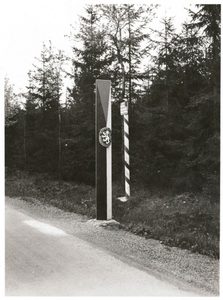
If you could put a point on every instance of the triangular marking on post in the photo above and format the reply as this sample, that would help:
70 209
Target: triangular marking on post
103 87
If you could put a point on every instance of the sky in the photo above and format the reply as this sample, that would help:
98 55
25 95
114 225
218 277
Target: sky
26 24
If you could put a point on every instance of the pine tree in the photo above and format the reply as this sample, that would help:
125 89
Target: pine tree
207 21
91 61
42 110
127 24
11 103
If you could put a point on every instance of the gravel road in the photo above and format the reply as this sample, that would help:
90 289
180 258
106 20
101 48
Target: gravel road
193 273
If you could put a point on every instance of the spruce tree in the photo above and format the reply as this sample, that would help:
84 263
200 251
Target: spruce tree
42 111
91 60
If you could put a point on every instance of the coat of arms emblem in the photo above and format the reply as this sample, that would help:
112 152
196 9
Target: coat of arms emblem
105 136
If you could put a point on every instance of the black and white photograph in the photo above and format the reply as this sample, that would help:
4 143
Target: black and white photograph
110 148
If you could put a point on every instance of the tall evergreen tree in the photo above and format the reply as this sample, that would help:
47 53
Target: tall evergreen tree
13 127
207 20
43 107
127 36
11 103
91 61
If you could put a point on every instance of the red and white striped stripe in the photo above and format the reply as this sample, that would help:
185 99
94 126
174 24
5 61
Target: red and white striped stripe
126 155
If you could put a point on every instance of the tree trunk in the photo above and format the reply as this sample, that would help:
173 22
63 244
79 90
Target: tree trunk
59 145
24 142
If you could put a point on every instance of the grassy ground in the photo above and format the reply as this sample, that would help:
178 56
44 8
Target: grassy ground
188 221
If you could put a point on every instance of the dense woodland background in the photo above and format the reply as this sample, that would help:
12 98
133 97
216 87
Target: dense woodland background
171 80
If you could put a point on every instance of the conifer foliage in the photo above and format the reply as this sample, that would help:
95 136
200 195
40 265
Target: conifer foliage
170 78
43 110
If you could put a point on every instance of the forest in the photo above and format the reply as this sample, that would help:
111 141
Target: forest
170 78
174 101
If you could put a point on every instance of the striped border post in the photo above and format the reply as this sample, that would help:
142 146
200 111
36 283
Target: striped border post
126 157
126 154
103 151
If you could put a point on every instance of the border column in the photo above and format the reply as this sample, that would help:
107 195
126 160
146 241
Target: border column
103 149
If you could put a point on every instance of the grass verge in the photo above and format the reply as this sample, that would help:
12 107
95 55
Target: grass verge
187 221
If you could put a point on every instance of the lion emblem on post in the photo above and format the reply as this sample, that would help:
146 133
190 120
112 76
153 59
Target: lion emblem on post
105 136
